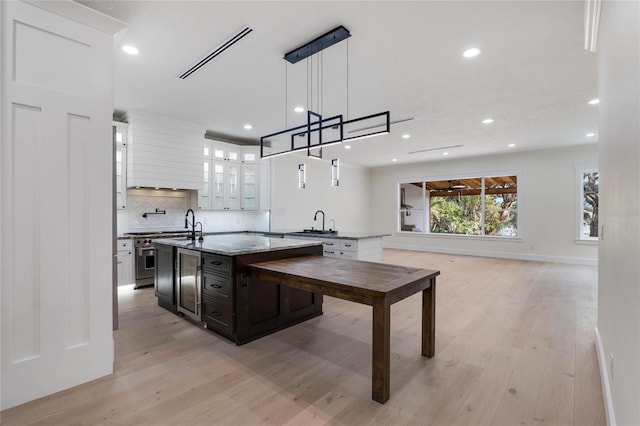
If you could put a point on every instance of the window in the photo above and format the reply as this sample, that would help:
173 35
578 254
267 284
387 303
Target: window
469 206
588 183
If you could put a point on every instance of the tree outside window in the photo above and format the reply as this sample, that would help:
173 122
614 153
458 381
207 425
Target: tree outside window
589 201
469 206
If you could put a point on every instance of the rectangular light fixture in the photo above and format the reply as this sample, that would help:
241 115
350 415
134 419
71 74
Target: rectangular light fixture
335 172
302 177
328 39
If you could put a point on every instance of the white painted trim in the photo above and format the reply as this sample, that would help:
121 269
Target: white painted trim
609 411
499 254
81 14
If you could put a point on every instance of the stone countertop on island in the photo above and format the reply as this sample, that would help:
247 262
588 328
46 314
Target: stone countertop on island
237 244
337 234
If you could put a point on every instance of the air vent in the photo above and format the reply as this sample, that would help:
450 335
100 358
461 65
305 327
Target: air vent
436 149
223 47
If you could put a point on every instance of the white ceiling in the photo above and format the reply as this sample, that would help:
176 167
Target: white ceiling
533 77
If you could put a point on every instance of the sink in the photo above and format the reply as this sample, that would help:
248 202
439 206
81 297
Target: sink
317 231
180 238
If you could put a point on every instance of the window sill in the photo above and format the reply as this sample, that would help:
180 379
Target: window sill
593 242
461 236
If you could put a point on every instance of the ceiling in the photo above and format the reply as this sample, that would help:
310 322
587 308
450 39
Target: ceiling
533 77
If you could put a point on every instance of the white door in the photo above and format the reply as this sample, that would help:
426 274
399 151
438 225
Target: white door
56 180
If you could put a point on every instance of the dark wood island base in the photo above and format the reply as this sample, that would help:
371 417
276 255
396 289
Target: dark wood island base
375 284
232 303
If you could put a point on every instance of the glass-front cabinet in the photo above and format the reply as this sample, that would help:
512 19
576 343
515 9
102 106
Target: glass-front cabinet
121 164
234 178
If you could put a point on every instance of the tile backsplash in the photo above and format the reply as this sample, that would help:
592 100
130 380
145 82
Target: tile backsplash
176 203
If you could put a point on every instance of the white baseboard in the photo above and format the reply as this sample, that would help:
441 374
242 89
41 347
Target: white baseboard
499 254
604 378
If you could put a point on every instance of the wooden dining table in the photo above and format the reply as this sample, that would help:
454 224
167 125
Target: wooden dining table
375 284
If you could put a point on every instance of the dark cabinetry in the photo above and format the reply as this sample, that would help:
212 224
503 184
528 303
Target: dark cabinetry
263 307
165 277
217 294
234 305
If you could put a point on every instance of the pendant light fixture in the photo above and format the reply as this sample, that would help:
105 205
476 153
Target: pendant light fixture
320 131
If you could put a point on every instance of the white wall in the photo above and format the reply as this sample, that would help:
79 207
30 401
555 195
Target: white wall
293 208
546 205
618 329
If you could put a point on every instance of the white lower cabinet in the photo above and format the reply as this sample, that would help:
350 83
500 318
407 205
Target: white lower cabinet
361 249
125 262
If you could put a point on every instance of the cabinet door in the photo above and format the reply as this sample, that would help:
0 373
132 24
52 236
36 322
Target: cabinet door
204 196
232 177
217 190
125 267
121 165
164 280
250 186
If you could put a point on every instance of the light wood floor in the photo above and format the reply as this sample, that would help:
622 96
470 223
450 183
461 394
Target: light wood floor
514 346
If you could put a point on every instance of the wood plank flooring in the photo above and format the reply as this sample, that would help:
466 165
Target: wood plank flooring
514 346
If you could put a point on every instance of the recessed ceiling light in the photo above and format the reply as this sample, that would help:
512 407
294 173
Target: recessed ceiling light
298 109
406 136
394 159
131 50
590 135
595 101
347 147
487 121
445 153
471 53
511 145
248 126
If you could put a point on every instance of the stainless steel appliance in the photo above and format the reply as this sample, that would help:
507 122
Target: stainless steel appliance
189 283
145 261
145 258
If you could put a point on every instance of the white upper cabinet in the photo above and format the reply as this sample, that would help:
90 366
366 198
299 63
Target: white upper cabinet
121 165
234 178
164 152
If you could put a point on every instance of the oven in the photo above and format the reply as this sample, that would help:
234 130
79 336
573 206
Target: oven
145 254
145 261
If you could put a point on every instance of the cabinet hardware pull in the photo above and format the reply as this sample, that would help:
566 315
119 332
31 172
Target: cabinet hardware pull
216 314
216 263
244 278
216 286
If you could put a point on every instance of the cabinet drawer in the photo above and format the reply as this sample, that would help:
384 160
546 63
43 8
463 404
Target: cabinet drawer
348 255
125 245
217 314
215 285
331 244
215 263
348 245
331 252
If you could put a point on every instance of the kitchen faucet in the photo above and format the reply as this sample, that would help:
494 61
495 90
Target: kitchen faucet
201 238
334 225
315 217
193 224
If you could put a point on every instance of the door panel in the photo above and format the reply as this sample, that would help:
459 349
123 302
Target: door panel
56 229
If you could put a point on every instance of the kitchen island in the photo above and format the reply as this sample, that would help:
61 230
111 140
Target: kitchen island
209 282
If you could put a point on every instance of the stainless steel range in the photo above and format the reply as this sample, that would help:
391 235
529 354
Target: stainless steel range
145 258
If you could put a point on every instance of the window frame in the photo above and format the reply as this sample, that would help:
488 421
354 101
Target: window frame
427 205
581 169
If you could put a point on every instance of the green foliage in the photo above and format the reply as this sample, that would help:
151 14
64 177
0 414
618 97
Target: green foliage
462 214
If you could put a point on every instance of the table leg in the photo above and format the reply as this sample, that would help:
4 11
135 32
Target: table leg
429 320
381 359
